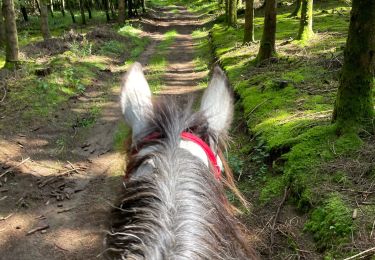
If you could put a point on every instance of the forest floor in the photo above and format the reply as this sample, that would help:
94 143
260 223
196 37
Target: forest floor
61 154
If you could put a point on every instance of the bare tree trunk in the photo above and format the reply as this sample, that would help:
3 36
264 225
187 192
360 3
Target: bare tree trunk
11 38
267 47
354 102
50 7
143 2
2 29
44 21
24 13
112 9
88 7
249 22
38 6
81 8
70 8
232 21
62 7
305 26
297 9
106 8
121 12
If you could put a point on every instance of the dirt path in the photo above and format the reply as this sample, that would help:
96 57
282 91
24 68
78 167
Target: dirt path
70 195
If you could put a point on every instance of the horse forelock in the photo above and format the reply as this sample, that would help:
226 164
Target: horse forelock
172 206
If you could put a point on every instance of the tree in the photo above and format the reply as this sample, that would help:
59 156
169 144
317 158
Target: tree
305 26
267 47
70 8
2 28
24 11
121 12
297 9
62 6
354 104
232 12
11 37
82 9
249 22
44 20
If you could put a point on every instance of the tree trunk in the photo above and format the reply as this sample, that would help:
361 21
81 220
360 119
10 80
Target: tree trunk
297 9
70 8
88 7
24 13
62 7
249 22
112 9
106 8
44 21
267 47
305 26
121 12
354 104
50 7
2 29
143 2
38 6
232 21
11 38
227 11
81 8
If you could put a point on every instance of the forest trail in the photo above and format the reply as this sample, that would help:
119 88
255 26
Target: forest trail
70 196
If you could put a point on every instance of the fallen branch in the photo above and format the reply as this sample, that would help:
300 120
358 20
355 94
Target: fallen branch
363 253
5 218
37 229
12 168
64 210
5 94
277 217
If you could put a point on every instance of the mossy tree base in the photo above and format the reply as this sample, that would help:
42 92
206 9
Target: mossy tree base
305 28
354 102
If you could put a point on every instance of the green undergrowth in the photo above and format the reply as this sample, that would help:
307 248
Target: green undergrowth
138 43
202 57
30 32
158 62
287 107
40 89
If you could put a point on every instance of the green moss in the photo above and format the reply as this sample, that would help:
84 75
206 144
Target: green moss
273 188
330 223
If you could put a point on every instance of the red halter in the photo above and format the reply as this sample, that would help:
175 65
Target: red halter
195 139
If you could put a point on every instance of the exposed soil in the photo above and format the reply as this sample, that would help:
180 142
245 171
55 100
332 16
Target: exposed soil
68 195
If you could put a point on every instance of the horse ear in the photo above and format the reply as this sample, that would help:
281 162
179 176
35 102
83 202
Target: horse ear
135 99
217 102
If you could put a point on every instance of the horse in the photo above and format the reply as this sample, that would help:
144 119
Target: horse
173 204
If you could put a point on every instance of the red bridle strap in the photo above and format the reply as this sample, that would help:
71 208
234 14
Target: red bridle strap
195 139
210 154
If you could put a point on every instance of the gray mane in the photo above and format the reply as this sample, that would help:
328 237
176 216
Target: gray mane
172 206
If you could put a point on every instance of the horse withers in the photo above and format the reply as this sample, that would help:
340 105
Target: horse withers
173 205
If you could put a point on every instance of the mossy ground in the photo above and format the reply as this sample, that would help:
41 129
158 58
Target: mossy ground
287 107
